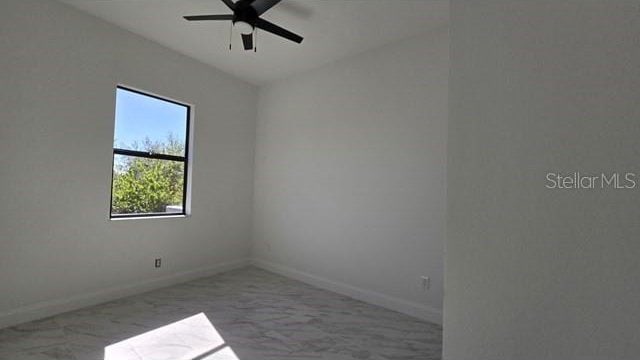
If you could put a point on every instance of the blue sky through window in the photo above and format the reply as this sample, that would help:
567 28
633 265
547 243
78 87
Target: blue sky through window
139 117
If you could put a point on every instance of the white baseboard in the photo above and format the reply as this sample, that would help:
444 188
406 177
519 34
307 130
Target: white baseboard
57 306
416 310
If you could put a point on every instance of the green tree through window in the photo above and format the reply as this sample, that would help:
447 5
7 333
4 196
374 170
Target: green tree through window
144 185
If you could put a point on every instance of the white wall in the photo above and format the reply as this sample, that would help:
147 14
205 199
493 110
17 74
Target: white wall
350 174
532 273
58 248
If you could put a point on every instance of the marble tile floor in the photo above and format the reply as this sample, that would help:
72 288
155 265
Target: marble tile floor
258 314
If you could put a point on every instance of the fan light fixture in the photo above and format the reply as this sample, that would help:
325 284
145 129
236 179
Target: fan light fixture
243 27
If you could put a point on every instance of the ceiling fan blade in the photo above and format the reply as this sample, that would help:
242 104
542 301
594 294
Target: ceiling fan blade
261 6
208 17
247 41
229 4
277 30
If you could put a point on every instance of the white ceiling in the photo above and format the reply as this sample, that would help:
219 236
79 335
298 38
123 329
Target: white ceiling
332 29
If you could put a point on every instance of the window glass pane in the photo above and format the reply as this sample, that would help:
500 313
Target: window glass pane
146 186
146 123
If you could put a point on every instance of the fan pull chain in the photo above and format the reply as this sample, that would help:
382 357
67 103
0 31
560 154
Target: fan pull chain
230 35
255 37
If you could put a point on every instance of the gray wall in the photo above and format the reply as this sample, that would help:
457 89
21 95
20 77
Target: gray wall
350 174
59 70
533 273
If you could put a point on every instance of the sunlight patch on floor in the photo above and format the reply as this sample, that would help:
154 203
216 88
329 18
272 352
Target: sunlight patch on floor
188 339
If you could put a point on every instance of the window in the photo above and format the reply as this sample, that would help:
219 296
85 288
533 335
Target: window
150 155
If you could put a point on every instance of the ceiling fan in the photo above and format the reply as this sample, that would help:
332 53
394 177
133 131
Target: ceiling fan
246 18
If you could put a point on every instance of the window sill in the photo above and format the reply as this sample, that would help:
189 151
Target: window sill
157 217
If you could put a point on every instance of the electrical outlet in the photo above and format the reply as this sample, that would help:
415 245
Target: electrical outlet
158 262
426 282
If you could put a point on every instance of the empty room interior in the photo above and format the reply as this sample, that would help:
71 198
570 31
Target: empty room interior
319 179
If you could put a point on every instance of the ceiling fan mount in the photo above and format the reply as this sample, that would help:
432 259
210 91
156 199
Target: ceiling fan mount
246 18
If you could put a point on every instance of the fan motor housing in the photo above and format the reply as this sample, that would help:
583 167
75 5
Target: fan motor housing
245 14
